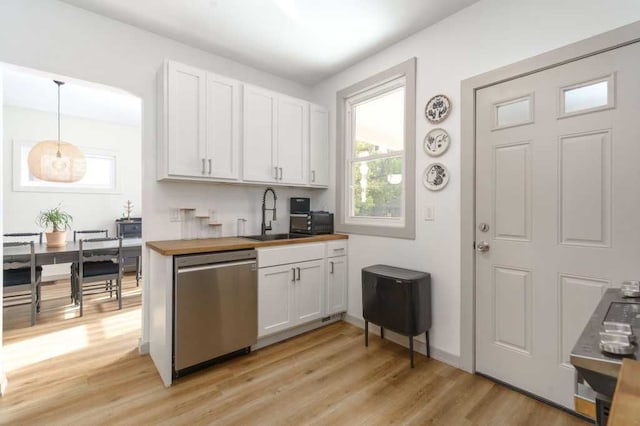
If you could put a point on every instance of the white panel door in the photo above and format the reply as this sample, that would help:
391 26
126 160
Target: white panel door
259 135
309 290
186 125
318 146
293 140
557 174
223 127
275 299
336 285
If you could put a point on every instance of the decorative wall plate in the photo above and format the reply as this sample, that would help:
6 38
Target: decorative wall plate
437 108
436 142
435 176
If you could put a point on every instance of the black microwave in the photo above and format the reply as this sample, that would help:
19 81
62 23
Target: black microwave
311 223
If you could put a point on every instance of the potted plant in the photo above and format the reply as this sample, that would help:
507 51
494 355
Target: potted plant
59 221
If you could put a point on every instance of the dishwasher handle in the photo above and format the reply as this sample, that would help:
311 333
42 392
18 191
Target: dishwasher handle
215 266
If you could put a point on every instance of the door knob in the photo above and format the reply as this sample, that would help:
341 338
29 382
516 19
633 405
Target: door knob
483 246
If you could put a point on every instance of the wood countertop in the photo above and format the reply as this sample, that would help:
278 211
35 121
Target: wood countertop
209 245
625 408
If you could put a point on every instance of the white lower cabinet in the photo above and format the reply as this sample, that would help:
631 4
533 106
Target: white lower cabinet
275 299
298 284
309 291
336 285
289 295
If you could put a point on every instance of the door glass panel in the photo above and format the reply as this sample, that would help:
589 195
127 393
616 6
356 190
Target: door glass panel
513 112
586 97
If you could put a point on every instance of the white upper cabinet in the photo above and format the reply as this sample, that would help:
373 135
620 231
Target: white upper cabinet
213 128
276 137
185 120
293 140
223 127
199 126
259 135
318 146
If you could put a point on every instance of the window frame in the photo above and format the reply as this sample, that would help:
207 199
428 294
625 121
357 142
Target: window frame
370 88
70 187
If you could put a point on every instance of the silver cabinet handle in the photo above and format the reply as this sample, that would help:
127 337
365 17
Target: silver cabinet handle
203 166
331 263
298 273
209 165
276 171
313 175
293 277
483 246
280 168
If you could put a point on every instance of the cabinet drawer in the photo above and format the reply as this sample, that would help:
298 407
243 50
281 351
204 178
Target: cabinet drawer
289 254
336 248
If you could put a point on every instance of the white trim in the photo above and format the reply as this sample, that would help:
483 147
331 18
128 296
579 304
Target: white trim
292 332
143 347
419 343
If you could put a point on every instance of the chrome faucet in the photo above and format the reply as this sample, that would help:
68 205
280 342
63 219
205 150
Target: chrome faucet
266 227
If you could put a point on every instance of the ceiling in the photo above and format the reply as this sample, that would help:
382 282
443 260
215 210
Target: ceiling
36 90
302 40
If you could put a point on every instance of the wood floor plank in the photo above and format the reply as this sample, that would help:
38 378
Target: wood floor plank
68 370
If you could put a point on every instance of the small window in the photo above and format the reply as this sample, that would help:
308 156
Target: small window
515 112
376 172
595 95
101 174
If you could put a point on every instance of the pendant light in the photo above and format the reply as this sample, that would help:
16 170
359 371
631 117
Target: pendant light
57 161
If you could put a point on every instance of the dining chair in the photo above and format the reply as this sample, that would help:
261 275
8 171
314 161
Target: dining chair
91 231
25 234
21 277
75 236
99 260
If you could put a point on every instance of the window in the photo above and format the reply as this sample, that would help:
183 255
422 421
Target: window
101 175
376 155
590 96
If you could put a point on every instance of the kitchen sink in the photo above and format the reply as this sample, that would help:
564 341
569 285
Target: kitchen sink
273 237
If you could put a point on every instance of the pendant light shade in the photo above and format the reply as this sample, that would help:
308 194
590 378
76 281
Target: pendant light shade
55 160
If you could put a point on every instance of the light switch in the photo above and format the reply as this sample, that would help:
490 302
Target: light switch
429 212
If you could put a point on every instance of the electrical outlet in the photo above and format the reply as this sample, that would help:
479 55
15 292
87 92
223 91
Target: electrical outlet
429 212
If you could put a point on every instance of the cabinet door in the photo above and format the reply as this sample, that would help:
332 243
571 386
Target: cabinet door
336 285
309 291
318 146
186 121
259 135
293 140
275 299
223 127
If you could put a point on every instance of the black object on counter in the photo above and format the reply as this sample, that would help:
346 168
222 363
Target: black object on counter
397 299
299 205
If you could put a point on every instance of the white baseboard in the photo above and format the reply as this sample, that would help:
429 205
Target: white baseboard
143 347
3 383
419 342
287 334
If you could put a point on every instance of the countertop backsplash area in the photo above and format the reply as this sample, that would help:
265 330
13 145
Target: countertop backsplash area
213 210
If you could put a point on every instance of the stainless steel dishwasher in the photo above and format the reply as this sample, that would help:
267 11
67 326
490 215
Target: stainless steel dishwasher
215 307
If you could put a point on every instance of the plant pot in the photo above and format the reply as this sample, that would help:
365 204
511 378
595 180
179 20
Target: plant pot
56 239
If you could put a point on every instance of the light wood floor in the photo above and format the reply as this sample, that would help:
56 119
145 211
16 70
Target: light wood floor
87 371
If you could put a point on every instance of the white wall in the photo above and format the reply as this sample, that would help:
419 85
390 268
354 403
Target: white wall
485 36
75 43
89 211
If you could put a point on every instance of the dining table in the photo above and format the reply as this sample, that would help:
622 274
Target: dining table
46 255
